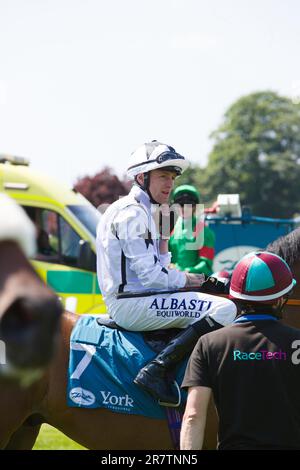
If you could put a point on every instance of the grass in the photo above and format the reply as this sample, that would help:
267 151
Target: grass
51 439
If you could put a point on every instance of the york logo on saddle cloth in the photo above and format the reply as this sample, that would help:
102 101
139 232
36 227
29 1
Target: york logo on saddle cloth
114 400
81 396
85 397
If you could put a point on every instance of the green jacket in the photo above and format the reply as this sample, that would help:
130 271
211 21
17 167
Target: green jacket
199 259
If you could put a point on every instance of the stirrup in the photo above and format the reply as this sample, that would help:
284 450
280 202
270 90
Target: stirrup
172 405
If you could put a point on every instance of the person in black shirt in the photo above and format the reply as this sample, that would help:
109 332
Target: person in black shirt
252 366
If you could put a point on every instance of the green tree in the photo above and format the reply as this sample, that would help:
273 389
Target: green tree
256 153
190 176
194 175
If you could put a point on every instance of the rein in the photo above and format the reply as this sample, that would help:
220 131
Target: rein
293 302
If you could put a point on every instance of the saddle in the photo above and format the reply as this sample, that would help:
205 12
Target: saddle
155 339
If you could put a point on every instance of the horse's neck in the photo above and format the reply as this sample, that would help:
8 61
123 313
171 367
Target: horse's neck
67 323
45 389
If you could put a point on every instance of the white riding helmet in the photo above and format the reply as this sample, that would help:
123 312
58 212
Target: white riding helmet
154 156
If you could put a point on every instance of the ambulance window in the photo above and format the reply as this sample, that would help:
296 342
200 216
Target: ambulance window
57 241
46 234
70 245
88 216
50 225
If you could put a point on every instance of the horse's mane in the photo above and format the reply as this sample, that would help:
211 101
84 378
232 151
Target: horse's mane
288 247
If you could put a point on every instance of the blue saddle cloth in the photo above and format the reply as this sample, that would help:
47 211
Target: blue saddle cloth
103 363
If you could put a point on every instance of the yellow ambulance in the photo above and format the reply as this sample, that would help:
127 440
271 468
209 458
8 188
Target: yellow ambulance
66 233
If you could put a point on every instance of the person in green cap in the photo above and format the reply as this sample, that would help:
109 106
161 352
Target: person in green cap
192 241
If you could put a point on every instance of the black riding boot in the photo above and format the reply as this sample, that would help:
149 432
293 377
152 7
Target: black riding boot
153 377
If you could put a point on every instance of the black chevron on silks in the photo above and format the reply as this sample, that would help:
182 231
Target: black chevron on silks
113 230
123 273
147 238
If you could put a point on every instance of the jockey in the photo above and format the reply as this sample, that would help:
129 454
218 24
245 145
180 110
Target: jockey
190 229
133 259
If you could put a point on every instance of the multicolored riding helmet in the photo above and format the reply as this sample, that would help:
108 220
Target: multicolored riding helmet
261 277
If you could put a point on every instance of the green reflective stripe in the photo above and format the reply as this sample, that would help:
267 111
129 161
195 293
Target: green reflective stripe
72 282
97 290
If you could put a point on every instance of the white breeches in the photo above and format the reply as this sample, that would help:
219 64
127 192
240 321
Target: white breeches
177 310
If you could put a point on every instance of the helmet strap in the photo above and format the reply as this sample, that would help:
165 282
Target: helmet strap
146 186
147 181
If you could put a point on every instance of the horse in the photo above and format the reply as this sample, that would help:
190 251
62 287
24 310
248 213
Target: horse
288 247
29 310
45 401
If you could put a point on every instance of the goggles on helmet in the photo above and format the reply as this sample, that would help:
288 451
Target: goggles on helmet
163 157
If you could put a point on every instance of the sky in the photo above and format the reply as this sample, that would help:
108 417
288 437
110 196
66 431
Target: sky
85 82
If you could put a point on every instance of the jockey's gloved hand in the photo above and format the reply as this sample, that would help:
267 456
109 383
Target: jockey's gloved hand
194 280
212 285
